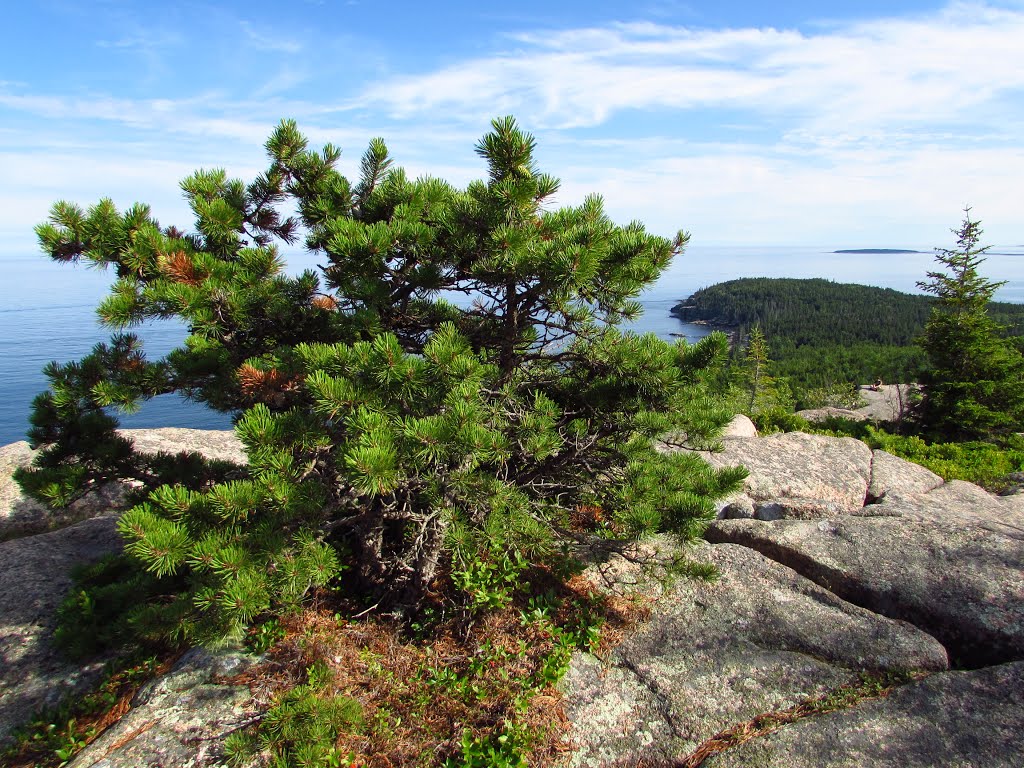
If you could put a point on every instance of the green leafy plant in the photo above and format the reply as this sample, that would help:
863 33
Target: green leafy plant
779 420
261 637
74 741
490 585
502 750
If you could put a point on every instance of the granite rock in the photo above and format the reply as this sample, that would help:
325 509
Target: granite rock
893 475
180 719
958 503
24 516
740 427
960 719
964 584
830 412
218 444
760 638
34 578
21 515
812 475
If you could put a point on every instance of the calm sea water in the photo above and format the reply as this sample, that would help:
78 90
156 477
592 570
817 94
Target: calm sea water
47 312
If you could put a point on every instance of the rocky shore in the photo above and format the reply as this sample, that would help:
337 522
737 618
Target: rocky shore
843 573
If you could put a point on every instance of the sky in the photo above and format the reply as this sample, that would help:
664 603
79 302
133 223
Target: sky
849 125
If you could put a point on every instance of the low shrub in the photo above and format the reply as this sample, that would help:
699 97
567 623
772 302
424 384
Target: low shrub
984 464
779 420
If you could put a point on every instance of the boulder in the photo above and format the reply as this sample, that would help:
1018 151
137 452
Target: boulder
36 572
1013 506
962 583
737 507
890 402
715 654
740 507
180 719
803 475
1014 483
891 474
23 516
950 719
957 502
798 509
34 579
824 414
946 557
740 427
18 514
887 403
217 444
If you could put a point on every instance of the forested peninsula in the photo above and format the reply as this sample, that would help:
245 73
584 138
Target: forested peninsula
821 332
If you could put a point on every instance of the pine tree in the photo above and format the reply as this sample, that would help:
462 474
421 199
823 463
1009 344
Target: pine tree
441 399
975 386
757 392
755 364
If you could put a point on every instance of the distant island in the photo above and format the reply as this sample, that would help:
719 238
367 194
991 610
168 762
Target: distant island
877 250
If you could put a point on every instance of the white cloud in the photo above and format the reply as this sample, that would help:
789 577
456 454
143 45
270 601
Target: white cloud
282 82
887 126
882 129
144 39
269 41
889 72
864 197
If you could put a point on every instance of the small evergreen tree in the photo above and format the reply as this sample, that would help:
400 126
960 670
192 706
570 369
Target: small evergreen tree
755 365
757 392
975 386
443 397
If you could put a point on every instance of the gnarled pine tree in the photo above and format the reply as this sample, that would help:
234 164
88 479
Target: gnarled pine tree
445 395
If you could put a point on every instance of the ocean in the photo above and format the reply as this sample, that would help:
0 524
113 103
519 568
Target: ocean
47 312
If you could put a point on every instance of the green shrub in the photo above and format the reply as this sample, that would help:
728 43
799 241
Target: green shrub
301 729
450 387
836 426
841 395
985 464
779 420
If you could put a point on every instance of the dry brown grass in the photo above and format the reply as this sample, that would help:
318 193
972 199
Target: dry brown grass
419 696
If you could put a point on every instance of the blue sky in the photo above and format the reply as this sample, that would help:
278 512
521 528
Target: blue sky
868 124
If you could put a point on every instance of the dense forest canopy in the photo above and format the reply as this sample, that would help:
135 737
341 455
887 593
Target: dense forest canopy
823 332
